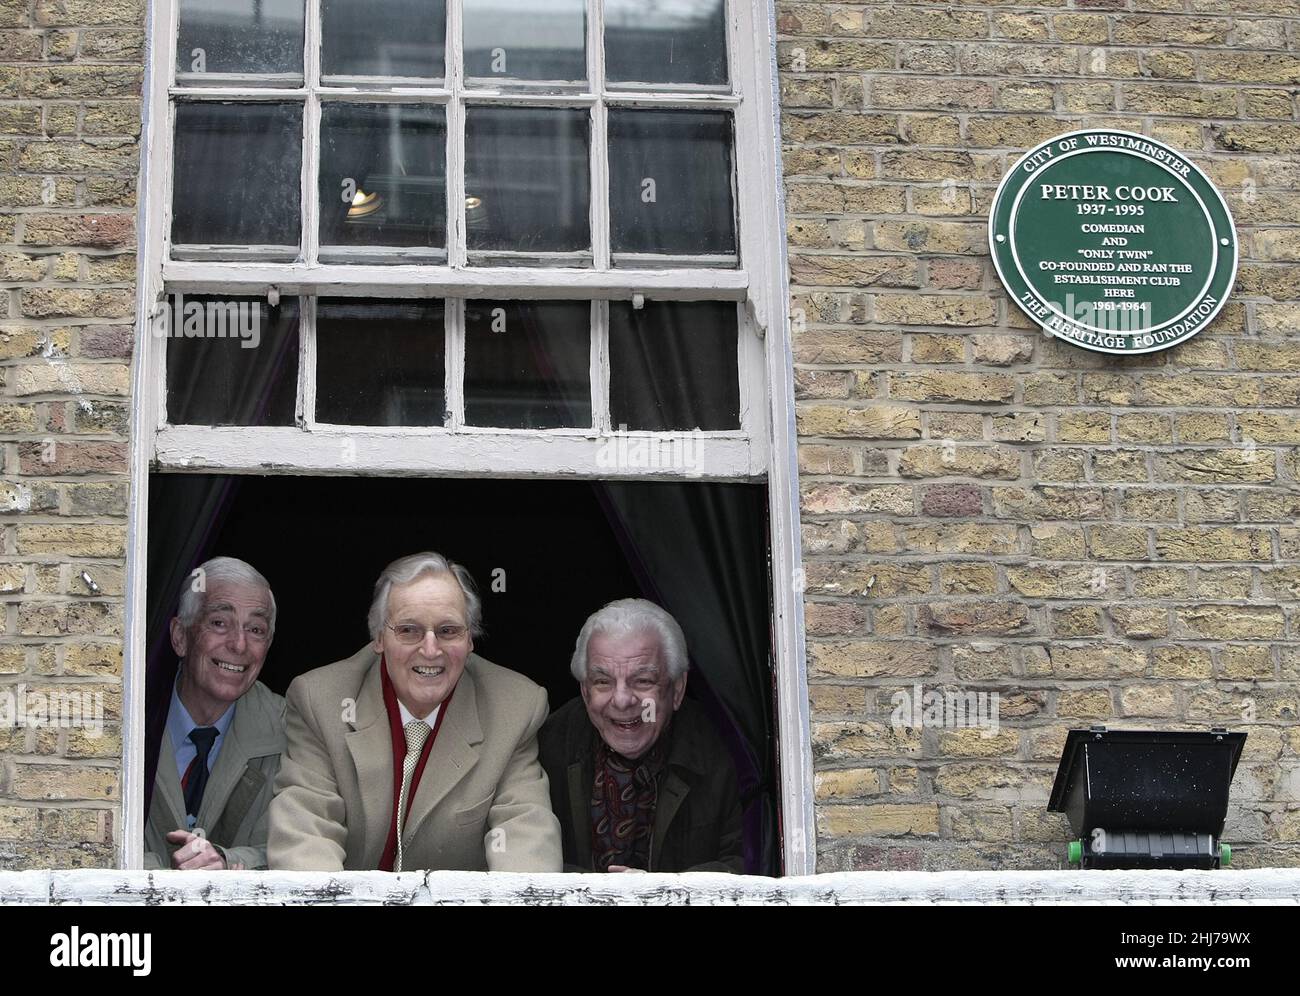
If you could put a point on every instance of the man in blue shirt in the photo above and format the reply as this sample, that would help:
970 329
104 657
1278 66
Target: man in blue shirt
225 729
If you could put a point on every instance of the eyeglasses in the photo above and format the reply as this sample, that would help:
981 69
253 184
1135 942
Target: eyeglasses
256 631
413 633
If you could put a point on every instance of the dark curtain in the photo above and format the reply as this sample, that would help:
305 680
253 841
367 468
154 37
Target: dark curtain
563 548
673 537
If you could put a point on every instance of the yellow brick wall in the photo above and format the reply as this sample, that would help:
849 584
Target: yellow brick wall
70 79
1098 539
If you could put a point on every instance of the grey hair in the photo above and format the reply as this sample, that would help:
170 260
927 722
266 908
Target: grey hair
219 569
404 570
625 617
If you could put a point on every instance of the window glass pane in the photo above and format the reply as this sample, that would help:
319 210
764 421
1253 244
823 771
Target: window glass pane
383 38
230 360
526 39
528 366
236 174
670 182
240 36
673 365
380 362
681 41
383 175
527 179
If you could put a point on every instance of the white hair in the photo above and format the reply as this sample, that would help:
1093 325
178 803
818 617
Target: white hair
229 569
626 617
404 570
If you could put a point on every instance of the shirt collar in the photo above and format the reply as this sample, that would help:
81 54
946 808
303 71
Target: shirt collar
180 722
408 717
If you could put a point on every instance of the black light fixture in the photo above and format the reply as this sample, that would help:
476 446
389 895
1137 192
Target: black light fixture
1146 798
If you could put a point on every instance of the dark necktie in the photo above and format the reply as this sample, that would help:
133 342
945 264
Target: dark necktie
196 776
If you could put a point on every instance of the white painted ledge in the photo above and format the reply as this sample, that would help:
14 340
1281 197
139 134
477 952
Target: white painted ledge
140 888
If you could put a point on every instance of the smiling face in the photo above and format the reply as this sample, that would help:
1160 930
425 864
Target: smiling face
629 696
223 651
424 674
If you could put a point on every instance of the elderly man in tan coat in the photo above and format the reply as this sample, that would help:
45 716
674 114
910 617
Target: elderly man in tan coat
415 753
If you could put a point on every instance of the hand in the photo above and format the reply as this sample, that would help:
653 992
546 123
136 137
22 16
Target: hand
625 868
195 853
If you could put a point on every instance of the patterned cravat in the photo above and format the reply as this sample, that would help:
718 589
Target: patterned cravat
417 732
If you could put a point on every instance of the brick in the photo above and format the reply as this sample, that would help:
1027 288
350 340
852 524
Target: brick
951 386
1251 67
852 783
61 458
840 55
100 155
1276 138
964 461
879 820
1230 622
79 81
974 618
1170 65
1168 98
876 422
976 779
853 741
1097 660
853 271
912 22
73 378
960 538
1080 28
1181 662
40 782
1244 466
1021 60
914 309
82 540
102 231
56 13
1198 545
906 92
855 498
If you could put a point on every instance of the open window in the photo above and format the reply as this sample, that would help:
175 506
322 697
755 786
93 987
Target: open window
488 277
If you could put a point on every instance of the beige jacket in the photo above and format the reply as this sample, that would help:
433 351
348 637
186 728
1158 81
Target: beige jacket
483 802
237 799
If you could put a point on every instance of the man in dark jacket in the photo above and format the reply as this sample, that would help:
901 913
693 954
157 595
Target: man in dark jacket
639 780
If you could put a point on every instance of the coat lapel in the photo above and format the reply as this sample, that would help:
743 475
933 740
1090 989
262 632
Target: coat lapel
671 795
580 786
167 789
248 737
371 745
452 755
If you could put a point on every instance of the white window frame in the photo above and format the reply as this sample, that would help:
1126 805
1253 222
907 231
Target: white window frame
763 446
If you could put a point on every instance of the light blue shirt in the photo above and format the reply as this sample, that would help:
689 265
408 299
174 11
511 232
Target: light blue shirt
179 725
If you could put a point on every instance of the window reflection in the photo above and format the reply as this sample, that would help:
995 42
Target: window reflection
666 41
240 36
236 174
380 362
383 175
673 366
527 179
230 360
526 39
383 38
670 182
528 365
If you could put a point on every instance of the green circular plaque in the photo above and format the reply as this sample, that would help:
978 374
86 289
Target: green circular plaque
1113 241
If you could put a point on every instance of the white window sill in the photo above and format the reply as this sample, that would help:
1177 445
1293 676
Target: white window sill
1257 886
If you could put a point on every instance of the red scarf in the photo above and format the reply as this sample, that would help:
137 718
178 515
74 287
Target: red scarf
389 856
